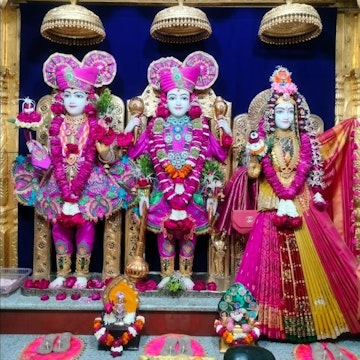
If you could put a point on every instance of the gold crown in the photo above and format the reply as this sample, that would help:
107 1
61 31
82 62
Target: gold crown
290 24
180 24
72 25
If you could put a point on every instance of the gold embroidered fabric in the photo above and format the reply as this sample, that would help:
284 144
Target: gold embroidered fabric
285 156
267 199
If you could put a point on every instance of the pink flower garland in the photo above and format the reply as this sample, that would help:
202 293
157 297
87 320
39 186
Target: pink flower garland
29 119
167 184
72 192
302 171
117 344
251 337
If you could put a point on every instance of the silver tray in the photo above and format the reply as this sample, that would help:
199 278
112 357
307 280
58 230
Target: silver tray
12 278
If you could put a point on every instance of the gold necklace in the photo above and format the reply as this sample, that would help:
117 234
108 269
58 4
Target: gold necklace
285 155
73 124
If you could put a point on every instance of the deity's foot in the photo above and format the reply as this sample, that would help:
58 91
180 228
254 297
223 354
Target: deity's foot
184 280
81 282
57 283
163 282
188 283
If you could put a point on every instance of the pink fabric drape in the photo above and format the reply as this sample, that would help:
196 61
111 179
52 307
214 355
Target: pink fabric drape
338 150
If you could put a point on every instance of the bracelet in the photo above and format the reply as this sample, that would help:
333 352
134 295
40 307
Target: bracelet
107 161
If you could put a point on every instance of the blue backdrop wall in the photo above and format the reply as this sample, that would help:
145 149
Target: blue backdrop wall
245 65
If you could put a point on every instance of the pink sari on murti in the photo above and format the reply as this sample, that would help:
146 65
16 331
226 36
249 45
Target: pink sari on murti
304 280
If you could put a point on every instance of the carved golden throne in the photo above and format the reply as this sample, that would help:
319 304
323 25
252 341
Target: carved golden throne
135 249
42 232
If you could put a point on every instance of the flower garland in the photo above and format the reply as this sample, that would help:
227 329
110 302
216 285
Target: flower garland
302 170
190 174
287 215
250 338
71 192
28 118
117 344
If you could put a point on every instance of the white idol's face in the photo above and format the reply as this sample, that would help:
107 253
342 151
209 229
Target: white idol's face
74 101
178 101
284 115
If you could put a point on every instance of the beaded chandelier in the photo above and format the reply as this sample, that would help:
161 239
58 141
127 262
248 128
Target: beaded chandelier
180 24
72 24
290 24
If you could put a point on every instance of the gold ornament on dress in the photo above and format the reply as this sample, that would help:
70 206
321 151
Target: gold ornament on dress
285 155
220 110
290 24
137 268
72 24
180 24
136 108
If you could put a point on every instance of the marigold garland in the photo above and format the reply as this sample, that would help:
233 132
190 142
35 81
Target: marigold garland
174 173
229 338
117 344
167 173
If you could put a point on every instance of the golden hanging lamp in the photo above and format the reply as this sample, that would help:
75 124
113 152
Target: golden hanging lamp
180 24
72 24
290 24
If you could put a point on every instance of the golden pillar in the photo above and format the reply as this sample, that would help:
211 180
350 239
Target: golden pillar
9 90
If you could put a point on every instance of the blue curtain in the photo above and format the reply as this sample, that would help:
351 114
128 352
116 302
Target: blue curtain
245 65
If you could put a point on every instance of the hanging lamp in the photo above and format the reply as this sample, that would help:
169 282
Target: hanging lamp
180 24
72 24
290 24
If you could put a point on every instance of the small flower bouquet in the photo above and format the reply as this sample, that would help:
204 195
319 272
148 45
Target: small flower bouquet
29 117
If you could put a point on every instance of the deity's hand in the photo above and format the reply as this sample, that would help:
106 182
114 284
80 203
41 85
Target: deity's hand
35 146
103 150
223 124
30 146
254 168
144 201
211 205
134 121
